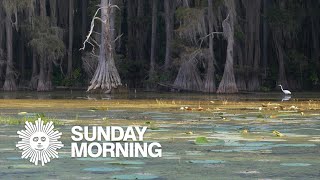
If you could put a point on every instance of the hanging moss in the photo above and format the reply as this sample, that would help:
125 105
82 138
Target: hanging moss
45 39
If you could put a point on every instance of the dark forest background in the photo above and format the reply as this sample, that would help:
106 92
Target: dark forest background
222 46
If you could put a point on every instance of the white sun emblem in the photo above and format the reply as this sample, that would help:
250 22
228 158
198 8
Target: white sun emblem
39 142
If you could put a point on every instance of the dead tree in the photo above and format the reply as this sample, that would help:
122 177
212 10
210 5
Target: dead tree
106 76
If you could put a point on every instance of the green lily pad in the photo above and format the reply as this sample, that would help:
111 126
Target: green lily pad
201 140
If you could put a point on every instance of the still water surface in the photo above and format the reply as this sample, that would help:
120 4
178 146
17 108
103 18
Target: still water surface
239 129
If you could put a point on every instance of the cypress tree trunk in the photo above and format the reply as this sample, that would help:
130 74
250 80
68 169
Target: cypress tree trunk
2 58
153 37
42 75
53 20
139 28
130 20
265 39
34 76
106 75
49 76
22 60
9 83
84 19
169 13
53 12
282 77
252 41
228 84
210 84
70 38
241 74
315 37
43 61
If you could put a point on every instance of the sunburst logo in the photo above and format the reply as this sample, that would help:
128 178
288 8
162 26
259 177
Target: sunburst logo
39 142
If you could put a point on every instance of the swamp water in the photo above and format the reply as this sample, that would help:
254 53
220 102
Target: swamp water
251 136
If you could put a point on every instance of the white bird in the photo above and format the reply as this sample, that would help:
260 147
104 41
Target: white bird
285 91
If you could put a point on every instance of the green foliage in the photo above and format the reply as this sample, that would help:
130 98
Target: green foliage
187 13
45 40
265 89
297 63
152 125
288 18
131 71
217 3
314 78
93 5
73 79
238 33
10 6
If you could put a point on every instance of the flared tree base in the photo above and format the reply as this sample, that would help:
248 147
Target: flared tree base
9 85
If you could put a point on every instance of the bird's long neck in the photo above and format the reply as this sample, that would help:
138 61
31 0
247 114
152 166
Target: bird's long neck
281 88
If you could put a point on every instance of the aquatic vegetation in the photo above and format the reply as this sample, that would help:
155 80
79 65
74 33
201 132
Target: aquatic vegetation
260 116
277 133
9 120
245 131
220 136
152 125
101 108
201 140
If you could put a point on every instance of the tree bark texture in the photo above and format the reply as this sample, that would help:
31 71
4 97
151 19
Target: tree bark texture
153 37
210 84
70 38
106 75
10 82
228 84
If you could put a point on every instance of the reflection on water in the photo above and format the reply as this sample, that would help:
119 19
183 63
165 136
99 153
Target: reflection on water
271 96
286 98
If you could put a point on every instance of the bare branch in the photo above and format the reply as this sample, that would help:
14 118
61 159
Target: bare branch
118 38
94 41
87 40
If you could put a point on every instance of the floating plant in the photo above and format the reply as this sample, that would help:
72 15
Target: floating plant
201 140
